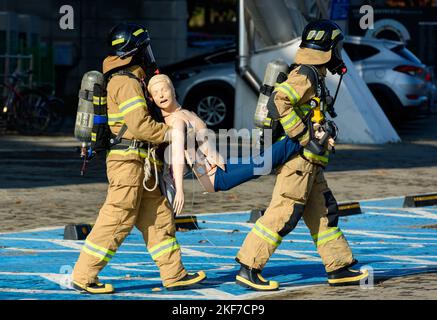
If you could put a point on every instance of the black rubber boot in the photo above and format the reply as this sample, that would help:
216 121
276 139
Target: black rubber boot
189 280
347 277
93 288
252 279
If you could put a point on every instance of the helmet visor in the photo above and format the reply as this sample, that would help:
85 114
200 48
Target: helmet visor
149 58
337 50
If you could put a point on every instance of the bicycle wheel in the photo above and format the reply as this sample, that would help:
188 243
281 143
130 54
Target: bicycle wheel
32 113
57 114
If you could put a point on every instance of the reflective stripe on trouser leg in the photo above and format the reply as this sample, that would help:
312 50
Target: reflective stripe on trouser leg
326 236
114 222
98 251
259 244
282 215
330 242
266 234
156 222
163 248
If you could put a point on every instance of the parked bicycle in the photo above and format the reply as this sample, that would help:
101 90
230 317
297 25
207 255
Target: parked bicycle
29 110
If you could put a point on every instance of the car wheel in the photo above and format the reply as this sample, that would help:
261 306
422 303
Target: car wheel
214 105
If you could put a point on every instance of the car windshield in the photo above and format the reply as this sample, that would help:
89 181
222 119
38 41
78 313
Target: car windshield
406 54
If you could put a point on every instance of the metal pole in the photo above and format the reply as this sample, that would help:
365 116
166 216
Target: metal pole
244 69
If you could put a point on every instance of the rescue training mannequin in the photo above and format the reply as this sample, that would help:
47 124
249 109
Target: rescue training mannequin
301 190
128 203
213 173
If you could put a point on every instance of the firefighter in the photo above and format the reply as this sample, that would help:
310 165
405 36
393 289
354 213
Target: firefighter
128 203
301 190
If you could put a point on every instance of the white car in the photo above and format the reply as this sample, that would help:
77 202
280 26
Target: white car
395 76
205 84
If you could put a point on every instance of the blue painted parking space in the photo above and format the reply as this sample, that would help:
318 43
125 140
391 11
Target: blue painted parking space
387 238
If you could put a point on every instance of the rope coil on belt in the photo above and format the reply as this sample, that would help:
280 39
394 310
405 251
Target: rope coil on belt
151 154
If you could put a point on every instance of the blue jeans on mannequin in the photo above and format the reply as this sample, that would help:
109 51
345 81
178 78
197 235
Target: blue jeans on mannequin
248 168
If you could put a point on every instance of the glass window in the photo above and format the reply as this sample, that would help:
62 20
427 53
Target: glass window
406 54
359 51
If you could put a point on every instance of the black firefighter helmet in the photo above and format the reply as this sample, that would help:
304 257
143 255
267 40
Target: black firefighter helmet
326 37
131 40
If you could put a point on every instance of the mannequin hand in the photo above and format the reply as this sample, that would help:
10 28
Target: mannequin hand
318 131
178 203
331 144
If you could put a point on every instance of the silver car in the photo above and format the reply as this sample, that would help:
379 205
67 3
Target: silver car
396 77
205 84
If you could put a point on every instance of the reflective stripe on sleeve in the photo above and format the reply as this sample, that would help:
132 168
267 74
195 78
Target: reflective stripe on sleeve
132 104
288 90
164 247
290 120
312 156
114 118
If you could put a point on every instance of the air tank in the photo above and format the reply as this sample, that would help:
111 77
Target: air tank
85 108
273 69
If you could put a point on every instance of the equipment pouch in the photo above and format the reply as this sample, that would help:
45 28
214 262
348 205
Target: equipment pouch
294 179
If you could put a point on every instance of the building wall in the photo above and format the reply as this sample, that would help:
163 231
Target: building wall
166 22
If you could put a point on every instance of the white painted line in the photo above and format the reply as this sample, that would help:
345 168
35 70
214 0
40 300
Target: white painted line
413 233
55 277
158 296
297 255
218 213
375 234
226 230
35 291
256 295
125 295
196 253
32 230
392 244
413 213
242 224
212 293
393 215
404 259
39 250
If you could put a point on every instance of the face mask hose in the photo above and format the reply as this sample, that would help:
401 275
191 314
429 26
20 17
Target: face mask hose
330 104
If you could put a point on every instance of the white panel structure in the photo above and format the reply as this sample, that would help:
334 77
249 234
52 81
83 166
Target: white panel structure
360 118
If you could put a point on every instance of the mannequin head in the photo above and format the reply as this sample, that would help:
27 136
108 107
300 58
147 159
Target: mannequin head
163 93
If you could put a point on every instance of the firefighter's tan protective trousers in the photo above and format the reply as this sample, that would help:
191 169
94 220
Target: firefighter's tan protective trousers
127 205
300 191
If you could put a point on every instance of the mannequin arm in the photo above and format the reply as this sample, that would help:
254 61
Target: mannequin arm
178 162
